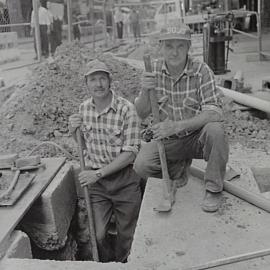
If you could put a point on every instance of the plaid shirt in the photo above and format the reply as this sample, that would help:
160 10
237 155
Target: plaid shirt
107 134
191 93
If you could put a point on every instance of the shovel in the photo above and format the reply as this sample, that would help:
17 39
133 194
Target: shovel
90 216
169 186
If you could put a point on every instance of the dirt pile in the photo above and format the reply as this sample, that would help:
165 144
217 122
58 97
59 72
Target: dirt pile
250 128
39 111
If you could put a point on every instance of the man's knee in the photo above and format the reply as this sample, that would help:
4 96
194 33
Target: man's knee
215 130
139 166
100 234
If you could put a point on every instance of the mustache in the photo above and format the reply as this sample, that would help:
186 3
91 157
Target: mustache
99 89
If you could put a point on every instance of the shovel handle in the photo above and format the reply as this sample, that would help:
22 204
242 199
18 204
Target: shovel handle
156 115
91 225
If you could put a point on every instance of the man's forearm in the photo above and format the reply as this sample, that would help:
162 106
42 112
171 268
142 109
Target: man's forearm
198 121
122 161
142 104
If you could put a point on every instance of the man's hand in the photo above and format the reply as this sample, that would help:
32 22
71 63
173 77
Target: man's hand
166 129
31 32
148 81
75 121
87 177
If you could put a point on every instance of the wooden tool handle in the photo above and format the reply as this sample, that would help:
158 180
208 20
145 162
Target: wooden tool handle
152 94
156 115
89 209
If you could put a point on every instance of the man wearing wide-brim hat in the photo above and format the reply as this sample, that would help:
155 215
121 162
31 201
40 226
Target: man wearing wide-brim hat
191 115
109 126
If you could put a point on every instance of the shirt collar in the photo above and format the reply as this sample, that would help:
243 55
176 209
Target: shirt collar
113 104
188 70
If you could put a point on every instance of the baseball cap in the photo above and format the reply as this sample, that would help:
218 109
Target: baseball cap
175 30
94 66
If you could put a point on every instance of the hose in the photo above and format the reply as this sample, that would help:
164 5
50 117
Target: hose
67 154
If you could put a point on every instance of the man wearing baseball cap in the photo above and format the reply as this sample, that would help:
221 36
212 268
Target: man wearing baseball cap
191 116
109 126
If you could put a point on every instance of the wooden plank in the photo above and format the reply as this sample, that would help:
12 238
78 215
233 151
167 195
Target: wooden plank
10 216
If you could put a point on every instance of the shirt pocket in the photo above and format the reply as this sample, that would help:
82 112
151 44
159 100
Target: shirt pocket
115 136
191 104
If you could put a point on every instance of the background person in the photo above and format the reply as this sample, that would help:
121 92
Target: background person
44 27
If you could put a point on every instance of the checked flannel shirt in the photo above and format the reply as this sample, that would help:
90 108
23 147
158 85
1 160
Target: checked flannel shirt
107 134
191 93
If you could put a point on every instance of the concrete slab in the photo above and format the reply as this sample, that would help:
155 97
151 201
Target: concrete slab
48 220
15 264
11 216
187 236
20 247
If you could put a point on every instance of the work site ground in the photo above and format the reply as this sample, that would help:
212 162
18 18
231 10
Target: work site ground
38 230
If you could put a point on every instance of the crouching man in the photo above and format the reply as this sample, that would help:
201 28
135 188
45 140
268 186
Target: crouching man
191 114
110 129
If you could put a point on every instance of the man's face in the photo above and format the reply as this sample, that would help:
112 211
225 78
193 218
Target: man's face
175 51
98 84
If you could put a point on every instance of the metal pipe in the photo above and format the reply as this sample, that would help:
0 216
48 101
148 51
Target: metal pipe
237 191
247 100
69 15
37 29
259 29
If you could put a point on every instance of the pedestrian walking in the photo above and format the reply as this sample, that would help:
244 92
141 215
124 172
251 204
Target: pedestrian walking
44 27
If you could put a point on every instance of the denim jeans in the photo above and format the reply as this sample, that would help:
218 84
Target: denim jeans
208 143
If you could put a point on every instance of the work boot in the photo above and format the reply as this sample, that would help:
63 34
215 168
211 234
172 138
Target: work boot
211 201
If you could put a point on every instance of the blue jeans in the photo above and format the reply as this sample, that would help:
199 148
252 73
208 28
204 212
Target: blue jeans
208 143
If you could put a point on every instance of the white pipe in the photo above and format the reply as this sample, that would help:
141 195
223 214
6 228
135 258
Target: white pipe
247 100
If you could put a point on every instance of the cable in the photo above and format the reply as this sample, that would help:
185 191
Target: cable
57 146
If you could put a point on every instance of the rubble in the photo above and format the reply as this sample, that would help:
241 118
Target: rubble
39 111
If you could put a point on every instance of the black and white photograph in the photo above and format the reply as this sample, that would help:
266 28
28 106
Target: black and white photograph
134 134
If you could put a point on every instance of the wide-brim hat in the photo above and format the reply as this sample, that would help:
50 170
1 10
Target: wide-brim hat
95 66
174 31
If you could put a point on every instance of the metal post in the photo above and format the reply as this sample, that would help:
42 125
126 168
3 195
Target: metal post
113 22
259 28
91 5
37 30
69 15
105 24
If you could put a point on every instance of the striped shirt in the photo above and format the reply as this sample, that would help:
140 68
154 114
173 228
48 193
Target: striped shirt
116 129
192 92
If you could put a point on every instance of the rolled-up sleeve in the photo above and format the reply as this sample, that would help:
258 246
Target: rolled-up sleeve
131 140
210 95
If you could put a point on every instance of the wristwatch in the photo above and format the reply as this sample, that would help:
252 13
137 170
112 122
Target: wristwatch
99 174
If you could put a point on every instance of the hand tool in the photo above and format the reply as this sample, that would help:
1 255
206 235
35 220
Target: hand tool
169 186
21 164
89 209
